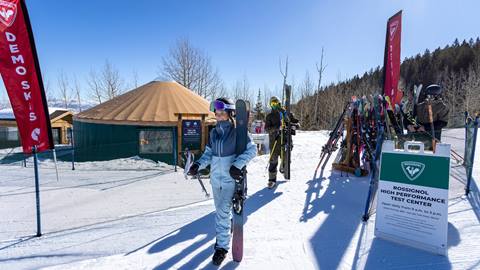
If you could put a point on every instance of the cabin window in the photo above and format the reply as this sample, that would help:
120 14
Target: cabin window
156 141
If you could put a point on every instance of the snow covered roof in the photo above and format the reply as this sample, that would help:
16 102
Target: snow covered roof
7 114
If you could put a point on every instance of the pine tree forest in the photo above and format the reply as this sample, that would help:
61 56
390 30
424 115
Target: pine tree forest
455 67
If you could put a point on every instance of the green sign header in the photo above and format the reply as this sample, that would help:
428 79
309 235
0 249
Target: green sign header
420 170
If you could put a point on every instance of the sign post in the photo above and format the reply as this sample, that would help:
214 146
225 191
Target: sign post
412 207
37 191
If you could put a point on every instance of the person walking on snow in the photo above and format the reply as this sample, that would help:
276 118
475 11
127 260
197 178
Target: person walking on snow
226 167
273 127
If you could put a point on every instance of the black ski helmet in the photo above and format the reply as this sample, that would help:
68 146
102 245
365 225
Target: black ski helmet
433 90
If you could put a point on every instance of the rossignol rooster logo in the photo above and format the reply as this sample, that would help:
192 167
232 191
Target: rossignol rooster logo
393 29
36 134
8 12
412 169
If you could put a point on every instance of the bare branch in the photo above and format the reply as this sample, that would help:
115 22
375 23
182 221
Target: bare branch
135 78
63 87
191 68
76 89
320 71
110 81
93 82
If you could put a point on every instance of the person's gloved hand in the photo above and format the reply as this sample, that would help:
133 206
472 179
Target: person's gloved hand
276 134
193 169
236 173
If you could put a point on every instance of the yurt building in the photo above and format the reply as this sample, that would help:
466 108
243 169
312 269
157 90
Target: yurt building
158 121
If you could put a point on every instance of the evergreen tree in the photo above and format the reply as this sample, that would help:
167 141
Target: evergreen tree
259 113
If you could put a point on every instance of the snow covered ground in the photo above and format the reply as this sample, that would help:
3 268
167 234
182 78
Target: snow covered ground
155 219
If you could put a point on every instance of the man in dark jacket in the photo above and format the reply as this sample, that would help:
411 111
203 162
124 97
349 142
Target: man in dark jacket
273 127
439 111
417 116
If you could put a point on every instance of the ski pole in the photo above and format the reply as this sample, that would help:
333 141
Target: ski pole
271 153
203 186
190 157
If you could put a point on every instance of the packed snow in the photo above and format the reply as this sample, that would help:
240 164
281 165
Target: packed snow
114 215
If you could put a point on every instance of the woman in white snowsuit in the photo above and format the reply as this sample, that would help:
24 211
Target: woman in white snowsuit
225 167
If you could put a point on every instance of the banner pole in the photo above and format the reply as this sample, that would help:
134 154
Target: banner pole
55 161
73 149
175 154
37 190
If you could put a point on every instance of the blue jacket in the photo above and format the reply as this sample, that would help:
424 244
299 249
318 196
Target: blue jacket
220 150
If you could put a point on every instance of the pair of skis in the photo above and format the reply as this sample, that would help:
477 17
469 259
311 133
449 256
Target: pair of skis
288 134
377 108
331 145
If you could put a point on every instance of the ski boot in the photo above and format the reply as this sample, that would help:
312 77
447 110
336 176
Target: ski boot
271 184
219 256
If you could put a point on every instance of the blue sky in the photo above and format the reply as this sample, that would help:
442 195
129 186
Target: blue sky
243 38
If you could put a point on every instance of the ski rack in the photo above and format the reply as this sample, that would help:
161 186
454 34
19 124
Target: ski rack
350 160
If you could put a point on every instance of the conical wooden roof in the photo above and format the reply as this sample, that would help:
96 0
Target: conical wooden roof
155 103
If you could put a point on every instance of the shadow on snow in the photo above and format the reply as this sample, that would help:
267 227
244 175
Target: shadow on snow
204 226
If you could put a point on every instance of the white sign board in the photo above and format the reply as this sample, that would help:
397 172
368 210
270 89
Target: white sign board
412 205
